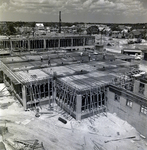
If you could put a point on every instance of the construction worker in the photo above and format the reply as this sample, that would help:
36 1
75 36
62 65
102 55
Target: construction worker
49 61
41 58
89 57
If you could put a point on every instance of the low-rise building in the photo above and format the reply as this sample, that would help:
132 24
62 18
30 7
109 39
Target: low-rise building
129 100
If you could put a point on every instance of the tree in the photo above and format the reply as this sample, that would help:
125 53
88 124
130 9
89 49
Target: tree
33 24
115 28
1 31
92 30
79 30
11 30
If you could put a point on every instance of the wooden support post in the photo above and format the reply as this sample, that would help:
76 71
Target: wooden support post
105 99
92 102
49 92
78 107
12 87
101 97
98 100
91 108
54 92
24 101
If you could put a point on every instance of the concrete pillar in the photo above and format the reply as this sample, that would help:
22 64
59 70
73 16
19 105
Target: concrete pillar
84 41
11 46
78 107
44 43
136 86
24 100
28 44
145 91
59 43
71 44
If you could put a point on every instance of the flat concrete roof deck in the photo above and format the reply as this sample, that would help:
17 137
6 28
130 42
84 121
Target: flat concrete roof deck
82 66
83 82
86 75
60 70
32 75
50 36
11 59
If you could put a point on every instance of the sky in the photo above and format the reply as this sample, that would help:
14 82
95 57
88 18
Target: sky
96 11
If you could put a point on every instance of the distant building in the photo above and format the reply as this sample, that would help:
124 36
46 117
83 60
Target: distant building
135 34
115 34
39 26
39 29
57 41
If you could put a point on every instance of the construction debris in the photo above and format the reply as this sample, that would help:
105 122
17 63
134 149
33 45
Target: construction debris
38 113
131 137
25 144
98 146
62 120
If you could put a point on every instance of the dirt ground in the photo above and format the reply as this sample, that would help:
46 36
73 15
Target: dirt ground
99 132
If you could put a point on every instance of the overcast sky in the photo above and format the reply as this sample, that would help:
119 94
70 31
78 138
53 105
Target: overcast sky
101 11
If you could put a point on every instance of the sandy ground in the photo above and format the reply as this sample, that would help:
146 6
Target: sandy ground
93 133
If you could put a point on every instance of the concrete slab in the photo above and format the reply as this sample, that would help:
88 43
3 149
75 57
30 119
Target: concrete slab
31 75
60 70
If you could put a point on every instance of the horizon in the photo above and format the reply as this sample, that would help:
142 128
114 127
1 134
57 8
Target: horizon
86 11
78 22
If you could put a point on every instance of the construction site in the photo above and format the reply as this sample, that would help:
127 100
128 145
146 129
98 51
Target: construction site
63 92
77 83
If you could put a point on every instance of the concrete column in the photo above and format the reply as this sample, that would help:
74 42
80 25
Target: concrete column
145 91
24 100
136 86
11 46
28 44
71 44
59 43
44 43
78 107
83 41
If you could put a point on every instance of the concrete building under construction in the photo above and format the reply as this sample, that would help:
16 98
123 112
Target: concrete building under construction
82 84
60 41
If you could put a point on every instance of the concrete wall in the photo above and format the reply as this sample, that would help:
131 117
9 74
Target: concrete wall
132 115
136 88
